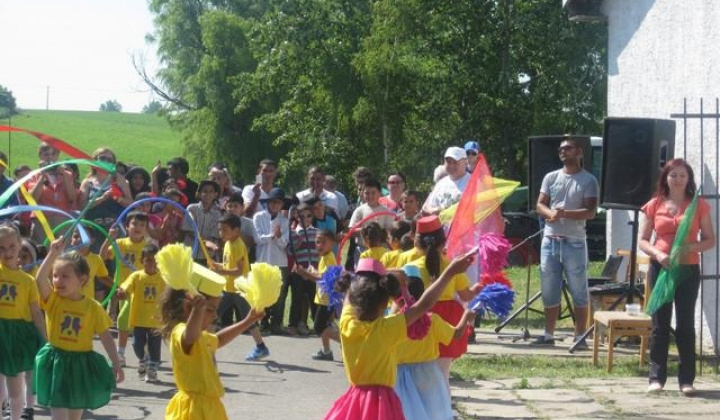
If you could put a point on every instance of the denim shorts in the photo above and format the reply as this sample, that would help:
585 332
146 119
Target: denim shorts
568 255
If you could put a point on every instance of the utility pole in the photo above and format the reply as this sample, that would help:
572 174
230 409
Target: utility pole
47 98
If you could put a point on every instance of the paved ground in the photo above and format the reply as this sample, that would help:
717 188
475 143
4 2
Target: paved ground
553 398
291 386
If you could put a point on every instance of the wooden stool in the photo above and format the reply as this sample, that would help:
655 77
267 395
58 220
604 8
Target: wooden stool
618 324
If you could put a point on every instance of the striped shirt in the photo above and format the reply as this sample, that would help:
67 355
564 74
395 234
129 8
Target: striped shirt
303 246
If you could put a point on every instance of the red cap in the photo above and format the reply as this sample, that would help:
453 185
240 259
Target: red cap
428 224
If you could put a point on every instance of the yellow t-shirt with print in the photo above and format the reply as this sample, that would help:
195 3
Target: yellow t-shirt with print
97 269
196 373
390 258
375 252
145 290
426 349
232 252
17 292
72 324
132 254
409 256
457 283
327 260
369 348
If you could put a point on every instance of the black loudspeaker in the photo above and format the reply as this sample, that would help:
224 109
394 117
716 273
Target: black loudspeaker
634 151
544 158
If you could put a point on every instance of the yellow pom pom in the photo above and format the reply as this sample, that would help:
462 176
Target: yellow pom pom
175 264
262 286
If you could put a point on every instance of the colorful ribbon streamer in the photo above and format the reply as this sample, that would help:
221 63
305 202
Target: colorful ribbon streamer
52 141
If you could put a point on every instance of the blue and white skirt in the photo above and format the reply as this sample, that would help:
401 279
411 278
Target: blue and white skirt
422 391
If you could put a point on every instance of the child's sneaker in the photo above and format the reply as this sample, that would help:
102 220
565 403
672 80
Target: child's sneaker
151 375
323 355
142 369
257 354
121 358
28 413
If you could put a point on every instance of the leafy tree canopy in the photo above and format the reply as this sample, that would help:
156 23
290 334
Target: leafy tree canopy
386 84
111 106
152 108
8 105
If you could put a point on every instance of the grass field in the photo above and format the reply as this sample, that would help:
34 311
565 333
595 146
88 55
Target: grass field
135 138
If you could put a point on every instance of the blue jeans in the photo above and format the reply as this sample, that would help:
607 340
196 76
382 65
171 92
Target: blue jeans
147 336
568 256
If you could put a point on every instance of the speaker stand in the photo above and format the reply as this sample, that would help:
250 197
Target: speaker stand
630 293
525 334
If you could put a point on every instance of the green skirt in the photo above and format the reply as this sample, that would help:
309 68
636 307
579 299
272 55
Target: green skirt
17 355
72 379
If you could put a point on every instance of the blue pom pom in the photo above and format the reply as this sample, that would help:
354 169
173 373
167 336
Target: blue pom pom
495 298
327 287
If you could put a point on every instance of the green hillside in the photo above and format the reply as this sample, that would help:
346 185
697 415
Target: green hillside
135 138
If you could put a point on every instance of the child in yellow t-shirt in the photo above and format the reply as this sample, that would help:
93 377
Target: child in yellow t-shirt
22 327
369 340
186 321
374 240
145 287
236 263
72 321
420 383
131 253
396 236
98 270
324 315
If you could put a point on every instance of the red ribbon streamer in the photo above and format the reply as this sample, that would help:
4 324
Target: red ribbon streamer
52 141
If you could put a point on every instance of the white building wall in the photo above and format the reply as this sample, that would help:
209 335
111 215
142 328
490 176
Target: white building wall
661 52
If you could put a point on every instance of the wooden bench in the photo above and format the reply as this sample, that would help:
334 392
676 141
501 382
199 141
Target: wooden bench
616 324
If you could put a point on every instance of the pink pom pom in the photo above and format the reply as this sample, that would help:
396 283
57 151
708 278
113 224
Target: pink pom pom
494 249
418 329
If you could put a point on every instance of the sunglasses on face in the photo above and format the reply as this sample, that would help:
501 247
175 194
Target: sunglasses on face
105 159
471 153
566 148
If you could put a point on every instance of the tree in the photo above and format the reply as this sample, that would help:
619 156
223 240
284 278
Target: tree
111 106
386 84
8 106
152 108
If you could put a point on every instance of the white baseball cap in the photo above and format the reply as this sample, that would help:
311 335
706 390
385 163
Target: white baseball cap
456 153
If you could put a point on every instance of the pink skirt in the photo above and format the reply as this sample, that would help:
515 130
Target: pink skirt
452 311
370 402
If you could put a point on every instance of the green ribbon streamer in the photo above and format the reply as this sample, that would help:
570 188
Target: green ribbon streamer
667 281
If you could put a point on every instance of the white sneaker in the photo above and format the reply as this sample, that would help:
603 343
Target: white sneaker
121 358
687 390
654 387
151 375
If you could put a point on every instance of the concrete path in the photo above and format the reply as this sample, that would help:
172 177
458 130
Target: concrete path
290 386
553 398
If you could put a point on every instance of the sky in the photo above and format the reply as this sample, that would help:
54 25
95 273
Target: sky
75 54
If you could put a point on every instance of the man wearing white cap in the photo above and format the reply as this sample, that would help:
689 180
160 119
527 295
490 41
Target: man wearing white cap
448 190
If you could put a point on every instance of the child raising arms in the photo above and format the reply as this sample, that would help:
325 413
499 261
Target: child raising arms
69 375
22 330
369 340
186 321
